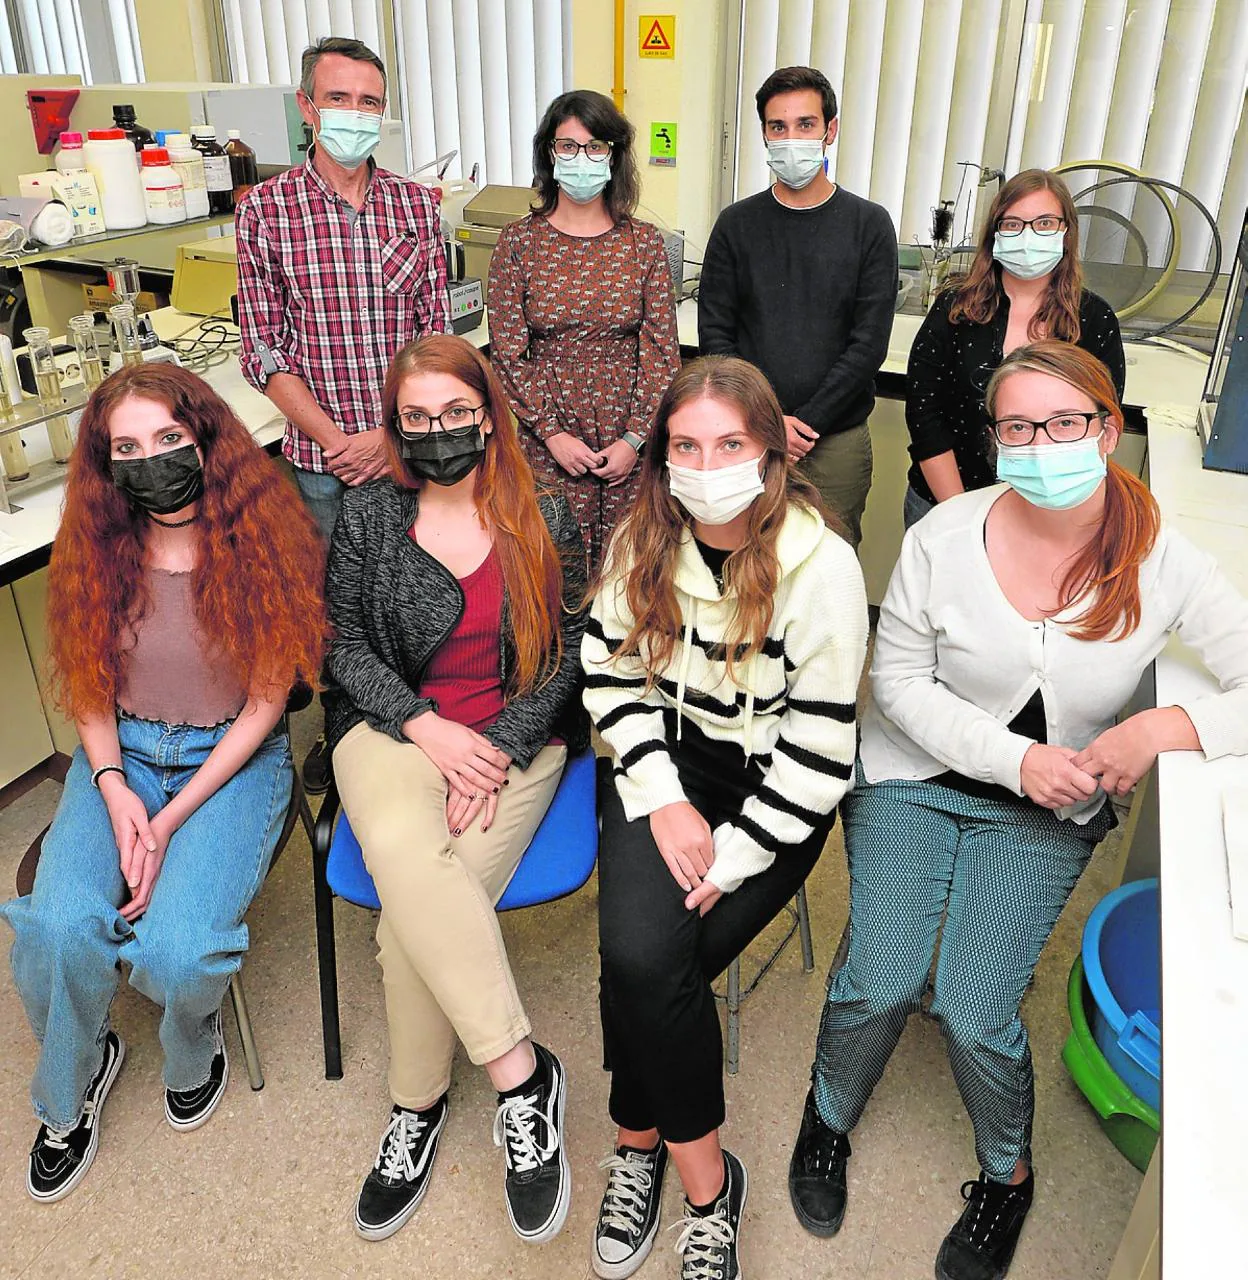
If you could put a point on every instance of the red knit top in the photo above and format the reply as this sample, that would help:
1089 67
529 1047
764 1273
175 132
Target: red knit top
463 676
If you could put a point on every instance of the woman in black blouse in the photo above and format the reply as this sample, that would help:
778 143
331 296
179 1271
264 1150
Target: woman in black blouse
1025 283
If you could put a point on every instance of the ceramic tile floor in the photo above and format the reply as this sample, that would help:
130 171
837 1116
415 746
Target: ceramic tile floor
266 1188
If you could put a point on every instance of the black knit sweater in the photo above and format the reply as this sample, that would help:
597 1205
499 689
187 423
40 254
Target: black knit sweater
392 605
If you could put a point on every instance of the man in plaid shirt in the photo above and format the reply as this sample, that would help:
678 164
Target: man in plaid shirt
340 264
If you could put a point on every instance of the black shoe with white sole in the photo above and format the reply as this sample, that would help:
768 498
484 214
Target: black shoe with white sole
817 1187
629 1218
187 1109
60 1158
398 1180
708 1241
982 1242
529 1127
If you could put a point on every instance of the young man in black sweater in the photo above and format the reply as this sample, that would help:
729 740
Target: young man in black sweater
801 280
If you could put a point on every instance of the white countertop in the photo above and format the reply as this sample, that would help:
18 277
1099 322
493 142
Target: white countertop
1204 968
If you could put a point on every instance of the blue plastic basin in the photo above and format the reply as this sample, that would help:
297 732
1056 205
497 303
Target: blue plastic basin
1122 967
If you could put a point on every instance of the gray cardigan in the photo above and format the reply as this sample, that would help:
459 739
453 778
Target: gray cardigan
392 605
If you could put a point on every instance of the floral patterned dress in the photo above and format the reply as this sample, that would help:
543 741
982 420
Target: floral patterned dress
583 337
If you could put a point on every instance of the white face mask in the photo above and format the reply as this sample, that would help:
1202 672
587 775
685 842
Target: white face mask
795 161
715 497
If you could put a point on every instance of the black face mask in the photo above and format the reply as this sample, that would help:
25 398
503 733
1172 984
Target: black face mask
163 484
443 458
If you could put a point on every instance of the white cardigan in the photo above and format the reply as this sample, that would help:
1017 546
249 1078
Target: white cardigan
955 662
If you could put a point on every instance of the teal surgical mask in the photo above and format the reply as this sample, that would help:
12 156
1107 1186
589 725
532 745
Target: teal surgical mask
349 137
795 161
580 178
1053 476
1029 255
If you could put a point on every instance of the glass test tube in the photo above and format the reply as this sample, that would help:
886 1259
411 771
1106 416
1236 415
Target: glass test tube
82 329
48 382
126 333
12 452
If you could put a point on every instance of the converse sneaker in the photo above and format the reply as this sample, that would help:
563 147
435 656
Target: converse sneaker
399 1178
708 1242
529 1127
60 1158
629 1218
984 1238
189 1108
817 1173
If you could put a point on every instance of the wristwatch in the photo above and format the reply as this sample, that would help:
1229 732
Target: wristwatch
632 438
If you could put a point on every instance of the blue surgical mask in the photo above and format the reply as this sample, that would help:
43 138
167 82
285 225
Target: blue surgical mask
795 161
580 178
1053 476
349 137
1029 255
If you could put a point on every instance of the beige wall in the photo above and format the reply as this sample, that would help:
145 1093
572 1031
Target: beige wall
687 89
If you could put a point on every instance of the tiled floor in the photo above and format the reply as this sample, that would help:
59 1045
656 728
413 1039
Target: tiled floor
266 1188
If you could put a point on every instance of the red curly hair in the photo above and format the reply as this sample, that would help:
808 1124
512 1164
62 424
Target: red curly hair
259 572
506 496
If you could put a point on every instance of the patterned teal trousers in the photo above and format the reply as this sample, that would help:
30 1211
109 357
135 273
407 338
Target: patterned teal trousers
998 874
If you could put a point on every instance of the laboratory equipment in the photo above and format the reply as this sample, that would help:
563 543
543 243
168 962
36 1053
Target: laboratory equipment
86 346
48 383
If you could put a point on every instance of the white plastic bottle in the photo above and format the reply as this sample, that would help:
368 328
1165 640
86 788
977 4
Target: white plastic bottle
188 164
162 188
69 158
109 156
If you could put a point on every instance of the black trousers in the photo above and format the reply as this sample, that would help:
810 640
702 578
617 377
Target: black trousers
661 1037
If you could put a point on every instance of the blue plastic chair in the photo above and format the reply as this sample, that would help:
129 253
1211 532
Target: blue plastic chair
558 861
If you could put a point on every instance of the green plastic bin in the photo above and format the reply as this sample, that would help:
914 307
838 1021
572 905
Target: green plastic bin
1130 1124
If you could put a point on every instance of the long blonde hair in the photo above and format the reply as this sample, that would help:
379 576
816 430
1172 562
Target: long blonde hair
645 549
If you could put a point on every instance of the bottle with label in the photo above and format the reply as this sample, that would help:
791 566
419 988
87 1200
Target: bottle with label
48 381
123 119
216 169
162 188
188 164
242 164
110 160
69 157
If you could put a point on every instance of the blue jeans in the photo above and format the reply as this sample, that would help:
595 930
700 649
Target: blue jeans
322 495
70 936
915 507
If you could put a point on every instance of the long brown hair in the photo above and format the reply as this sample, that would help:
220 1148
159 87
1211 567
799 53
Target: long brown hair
606 123
506 497
1106 571
257 581
644 551
977 294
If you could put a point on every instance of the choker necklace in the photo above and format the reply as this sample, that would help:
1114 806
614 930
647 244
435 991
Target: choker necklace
173 524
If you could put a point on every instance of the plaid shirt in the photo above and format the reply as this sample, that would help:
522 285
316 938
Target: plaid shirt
331 294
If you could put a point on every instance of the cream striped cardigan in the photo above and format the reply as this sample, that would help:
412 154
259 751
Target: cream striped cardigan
793 709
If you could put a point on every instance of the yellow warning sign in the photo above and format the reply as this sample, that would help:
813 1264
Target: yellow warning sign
657 35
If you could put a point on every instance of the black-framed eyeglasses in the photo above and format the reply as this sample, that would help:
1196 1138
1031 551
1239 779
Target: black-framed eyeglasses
569 149
1063 428
1048 224
458 420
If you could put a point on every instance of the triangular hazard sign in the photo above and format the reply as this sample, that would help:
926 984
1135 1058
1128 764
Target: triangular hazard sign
656 39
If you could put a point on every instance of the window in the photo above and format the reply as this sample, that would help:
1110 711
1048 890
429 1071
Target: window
95 39
266 38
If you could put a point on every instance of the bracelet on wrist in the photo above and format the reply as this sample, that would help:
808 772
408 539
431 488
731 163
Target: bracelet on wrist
102 770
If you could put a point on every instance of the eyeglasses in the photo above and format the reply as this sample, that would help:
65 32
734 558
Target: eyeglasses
569 148
1062 429
1048 224
458 420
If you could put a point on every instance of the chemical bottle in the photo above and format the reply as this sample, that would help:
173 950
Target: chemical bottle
216 169
110 160
188 164
123 119
69 159
242 165
162 188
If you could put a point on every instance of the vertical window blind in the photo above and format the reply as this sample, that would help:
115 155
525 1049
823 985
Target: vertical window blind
266 38
1155 84
59 37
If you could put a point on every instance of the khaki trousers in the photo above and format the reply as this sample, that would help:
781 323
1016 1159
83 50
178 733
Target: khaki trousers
443 961
839 466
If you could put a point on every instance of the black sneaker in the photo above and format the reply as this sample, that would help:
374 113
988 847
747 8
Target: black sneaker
629 1218
708 1243
189 1108
60 1158
529 1127
817 1173
316 768
398 1180
984 1238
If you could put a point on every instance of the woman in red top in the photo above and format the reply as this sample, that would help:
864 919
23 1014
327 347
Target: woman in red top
452 589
